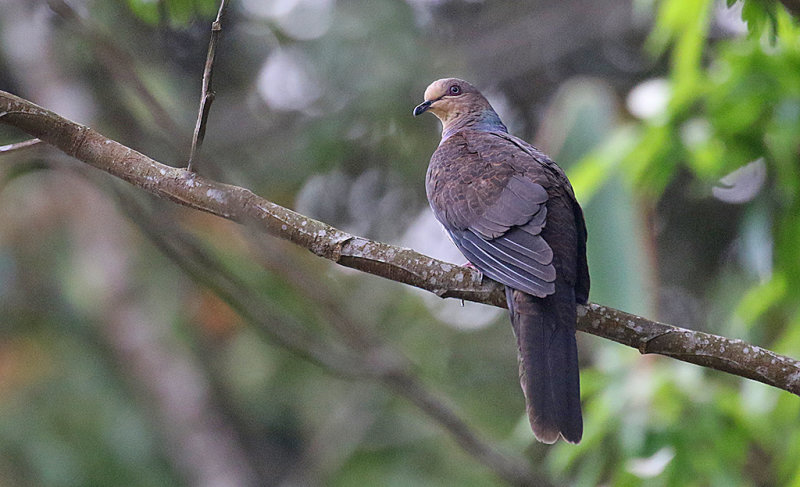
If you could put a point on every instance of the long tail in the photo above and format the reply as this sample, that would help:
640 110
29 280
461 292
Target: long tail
548 362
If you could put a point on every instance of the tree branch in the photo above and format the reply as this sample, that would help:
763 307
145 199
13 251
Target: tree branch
395 263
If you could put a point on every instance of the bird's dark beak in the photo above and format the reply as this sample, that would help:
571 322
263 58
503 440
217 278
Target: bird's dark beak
422 107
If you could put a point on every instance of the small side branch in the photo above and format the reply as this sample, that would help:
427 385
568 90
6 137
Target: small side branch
395 263
207 94
26 144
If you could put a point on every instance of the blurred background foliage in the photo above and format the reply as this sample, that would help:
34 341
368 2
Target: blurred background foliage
677 120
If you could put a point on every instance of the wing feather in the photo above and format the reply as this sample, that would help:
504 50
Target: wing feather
504 267
492 197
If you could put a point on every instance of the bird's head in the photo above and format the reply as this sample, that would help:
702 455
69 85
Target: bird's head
457 103
450 97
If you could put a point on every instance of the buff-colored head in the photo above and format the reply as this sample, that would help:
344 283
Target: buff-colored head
451 99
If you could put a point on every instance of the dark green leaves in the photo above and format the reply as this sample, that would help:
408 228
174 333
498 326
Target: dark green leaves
175 12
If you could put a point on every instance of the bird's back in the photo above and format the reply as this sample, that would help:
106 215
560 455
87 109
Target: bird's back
470 168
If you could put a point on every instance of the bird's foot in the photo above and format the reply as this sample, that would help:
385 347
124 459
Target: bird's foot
470 265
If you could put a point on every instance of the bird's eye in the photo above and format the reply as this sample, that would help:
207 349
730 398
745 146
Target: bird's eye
455 90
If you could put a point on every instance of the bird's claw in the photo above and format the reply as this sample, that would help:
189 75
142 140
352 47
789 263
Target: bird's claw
470 265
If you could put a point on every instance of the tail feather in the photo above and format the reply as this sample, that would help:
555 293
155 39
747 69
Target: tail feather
548 362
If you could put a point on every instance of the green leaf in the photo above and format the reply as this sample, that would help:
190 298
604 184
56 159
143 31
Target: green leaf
177 12
590 173
146 11
760 298
760 17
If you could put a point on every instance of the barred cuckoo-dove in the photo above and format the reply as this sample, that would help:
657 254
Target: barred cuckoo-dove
512 212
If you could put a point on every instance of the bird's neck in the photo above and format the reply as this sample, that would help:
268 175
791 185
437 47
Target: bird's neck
485 120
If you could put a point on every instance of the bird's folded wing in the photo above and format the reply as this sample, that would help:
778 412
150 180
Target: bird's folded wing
488 193
504 240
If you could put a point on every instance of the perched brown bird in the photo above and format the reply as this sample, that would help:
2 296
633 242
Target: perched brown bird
512 212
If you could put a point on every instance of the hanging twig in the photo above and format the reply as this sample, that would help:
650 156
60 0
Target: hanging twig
207 95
